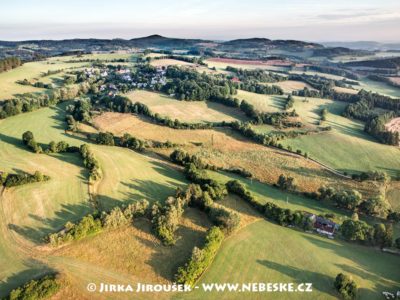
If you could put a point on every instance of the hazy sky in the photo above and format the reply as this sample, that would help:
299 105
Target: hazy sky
313 20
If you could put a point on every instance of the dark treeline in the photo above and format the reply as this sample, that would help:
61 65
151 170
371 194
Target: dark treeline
334 71
9 63
384 79
31 102
255 75
270 210
364 102
255 87
189 59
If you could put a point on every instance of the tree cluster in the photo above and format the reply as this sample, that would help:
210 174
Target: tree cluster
90 162
9 63
42 288
10 180
358 231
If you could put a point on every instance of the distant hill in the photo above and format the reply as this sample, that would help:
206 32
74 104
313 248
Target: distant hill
258 43
365 45
339 51
385 63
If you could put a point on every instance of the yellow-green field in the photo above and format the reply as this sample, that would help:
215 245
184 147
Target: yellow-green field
129 176
267 103
8 86
188 111
346 147
264 252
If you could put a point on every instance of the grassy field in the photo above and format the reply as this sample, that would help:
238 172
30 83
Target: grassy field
346 147
30 211
378 87
129 176
188 111
267 103
289 86
265 252
31 70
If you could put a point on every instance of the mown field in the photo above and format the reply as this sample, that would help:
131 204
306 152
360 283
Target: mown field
129 176
347 147
378 87
9 88
267 103
188 111
265 252
31 211
289 86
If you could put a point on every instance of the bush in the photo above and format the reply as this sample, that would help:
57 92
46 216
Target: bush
346 287
105 138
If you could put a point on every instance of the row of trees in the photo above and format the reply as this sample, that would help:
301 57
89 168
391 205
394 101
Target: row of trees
9 63
200 258
30 102
96 222
353 200
90 162
10 180
255 75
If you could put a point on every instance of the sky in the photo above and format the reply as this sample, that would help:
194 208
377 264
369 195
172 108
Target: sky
310 20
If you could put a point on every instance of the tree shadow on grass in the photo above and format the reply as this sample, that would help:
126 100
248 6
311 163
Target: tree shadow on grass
320 282
150 190
69 212
35 269
373 262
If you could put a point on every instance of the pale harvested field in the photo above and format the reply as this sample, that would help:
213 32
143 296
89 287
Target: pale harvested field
267 103
169 62
289 86
393 125
395 80
345 90
225 148
187 111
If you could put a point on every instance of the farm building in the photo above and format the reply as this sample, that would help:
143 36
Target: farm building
325 226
